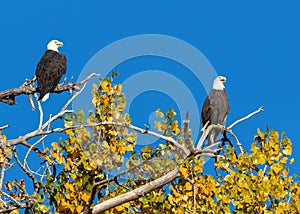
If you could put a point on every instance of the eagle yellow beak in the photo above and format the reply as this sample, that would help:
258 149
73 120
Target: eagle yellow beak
222 79
58 43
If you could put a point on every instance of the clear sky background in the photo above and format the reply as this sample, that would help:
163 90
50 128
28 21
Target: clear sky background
254 44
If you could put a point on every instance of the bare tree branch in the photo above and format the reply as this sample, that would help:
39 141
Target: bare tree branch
3 127
2 176
195 189
260 109
224 128
18 204
40 110
38 132
8 96
23 139
237 140
137 193
43 129
187 140
143 131
29 174
204 135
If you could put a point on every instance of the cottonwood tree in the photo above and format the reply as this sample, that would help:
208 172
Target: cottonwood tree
95 166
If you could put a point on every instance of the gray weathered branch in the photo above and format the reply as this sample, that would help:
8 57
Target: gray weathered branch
206 130
137 193
8 96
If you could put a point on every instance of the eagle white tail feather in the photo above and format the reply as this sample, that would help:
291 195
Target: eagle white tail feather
46 97
212 137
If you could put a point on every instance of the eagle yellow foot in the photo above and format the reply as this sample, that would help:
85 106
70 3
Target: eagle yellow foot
222 127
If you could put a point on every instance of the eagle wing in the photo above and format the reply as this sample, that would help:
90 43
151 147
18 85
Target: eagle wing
49 71
207 109
215 108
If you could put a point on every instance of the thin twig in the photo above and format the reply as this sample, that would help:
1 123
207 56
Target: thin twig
260 109
142 131
223 128
29 174
40 110
2 175
73 97
136 193
187 140
12 199
28 152
3 127
195 189
237 141
22 139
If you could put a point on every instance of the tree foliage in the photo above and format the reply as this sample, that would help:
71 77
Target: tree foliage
97 159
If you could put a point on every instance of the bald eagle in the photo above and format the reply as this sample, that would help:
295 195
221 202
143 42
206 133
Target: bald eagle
215 108
50 69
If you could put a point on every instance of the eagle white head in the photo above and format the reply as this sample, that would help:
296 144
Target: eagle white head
219 83
54 45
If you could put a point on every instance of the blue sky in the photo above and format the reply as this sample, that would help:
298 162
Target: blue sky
255 45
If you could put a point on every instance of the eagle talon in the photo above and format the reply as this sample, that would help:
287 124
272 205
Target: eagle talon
221 127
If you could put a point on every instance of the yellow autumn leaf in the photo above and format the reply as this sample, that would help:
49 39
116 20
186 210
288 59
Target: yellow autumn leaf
260 134
163 146
198 169
105 145
94 87
120 208
274 137
188 186
43 208
55 145
254 147
118 89
54 153
260 173
185 198
69 132
74 176
104 85
287 149
93 165
48 159
60 159
183 171
69 186
171 199
283 160
226 199
85 197
68 196
259 159
79 208
276 168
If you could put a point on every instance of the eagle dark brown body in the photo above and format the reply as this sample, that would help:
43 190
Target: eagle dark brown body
49 71
215 108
